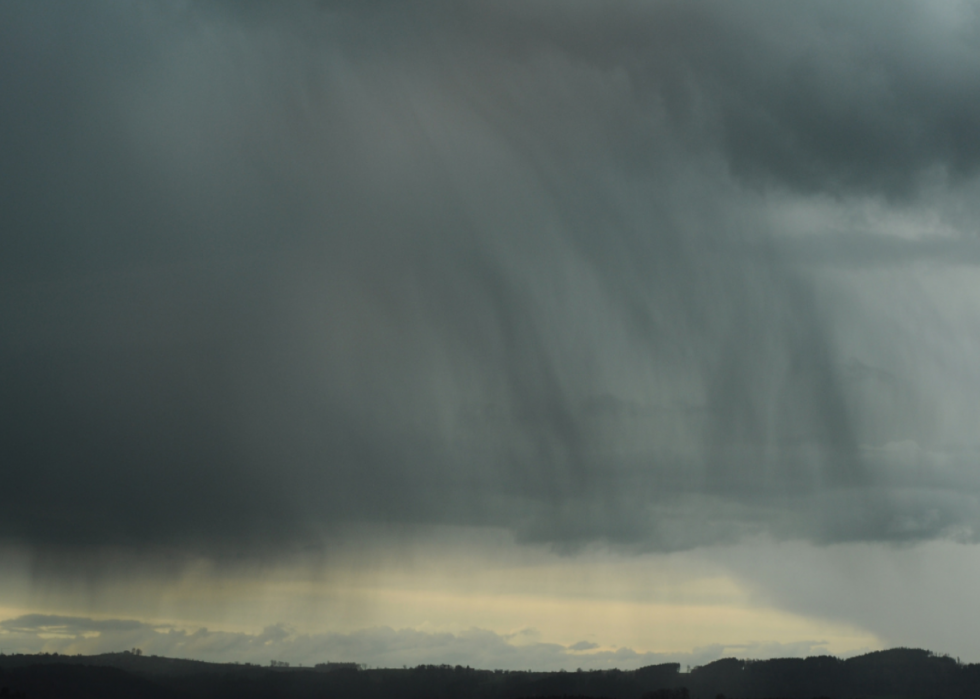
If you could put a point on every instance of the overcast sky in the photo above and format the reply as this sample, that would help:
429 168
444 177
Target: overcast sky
439 306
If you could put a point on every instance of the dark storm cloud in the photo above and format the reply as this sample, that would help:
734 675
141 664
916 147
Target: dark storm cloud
821 96
269 272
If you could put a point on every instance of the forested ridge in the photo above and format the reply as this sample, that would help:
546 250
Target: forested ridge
892 674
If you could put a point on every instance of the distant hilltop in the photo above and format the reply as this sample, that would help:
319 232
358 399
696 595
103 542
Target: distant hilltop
900 673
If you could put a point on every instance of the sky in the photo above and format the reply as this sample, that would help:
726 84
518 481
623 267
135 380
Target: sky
514 335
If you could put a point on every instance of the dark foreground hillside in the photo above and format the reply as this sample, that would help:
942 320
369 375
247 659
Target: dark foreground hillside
893 674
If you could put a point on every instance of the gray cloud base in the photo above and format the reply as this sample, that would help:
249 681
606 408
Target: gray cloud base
271 273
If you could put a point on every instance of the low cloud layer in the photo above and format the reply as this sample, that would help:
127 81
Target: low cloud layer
377 647
664 275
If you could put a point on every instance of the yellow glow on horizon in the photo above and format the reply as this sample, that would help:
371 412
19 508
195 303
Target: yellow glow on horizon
657 627
651 603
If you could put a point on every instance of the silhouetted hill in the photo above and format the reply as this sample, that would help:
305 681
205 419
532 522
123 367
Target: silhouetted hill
144 664
65 681
900 673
